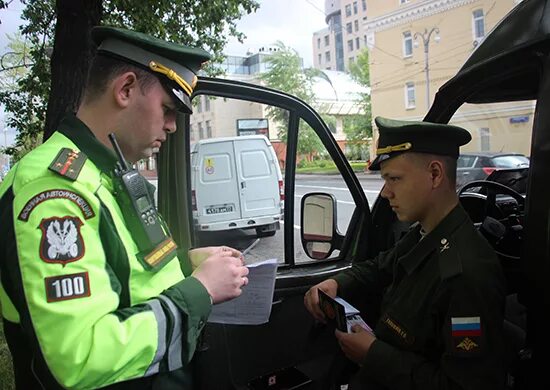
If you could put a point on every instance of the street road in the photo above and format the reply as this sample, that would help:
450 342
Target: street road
273 247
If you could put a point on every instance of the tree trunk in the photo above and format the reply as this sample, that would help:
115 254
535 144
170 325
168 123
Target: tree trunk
72 53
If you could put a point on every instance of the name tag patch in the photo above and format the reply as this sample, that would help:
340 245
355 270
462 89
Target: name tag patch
64 287
61 240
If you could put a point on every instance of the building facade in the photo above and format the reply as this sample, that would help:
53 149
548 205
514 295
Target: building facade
338 45
415 46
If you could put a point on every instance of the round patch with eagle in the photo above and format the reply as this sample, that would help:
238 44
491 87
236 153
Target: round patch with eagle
61 240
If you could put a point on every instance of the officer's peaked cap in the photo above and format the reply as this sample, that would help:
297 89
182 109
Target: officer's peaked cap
175 65
398 137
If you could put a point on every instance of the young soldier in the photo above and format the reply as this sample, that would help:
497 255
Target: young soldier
442 286
87 299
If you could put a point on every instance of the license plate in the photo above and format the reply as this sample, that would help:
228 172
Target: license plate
219 209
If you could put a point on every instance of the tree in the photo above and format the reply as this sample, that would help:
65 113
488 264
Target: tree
60 30
358 128
287 74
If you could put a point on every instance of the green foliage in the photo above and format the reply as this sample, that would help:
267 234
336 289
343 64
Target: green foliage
205 24
286 74
358 128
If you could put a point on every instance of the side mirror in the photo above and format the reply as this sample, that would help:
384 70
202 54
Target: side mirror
318 230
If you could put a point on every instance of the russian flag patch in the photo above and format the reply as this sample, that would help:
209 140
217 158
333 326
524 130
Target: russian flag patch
465 326
466 332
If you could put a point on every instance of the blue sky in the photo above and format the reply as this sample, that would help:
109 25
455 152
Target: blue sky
291 21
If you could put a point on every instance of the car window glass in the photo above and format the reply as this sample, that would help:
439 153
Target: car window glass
236 175
496 129
511 161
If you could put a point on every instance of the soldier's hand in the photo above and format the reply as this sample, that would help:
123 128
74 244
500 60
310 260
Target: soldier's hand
198 255
311 298
223 275
355 345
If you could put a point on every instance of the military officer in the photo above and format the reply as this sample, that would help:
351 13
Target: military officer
441 285
88 299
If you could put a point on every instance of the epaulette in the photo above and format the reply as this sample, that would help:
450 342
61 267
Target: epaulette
450 263
68 163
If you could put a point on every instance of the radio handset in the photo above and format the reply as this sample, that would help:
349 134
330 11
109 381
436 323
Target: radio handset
136 203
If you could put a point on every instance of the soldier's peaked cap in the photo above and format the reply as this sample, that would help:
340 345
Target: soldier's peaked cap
398 137
175 65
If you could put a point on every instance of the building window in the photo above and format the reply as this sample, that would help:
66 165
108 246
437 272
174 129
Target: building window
327 56
320 58
192 132
485 139
348 10
410 96
357 43
327 41
199 104
356 25
407 44
200 130
206 103
318 43
403 1
355 7
350 45
364 2
351 60
348 28
208 130
478 21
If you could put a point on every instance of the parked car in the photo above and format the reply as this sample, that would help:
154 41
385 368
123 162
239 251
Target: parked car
478 166
236 184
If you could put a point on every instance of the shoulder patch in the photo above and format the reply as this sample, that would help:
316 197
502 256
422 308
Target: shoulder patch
84 206
68 163
61 240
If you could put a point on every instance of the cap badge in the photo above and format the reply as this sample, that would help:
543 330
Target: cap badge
394 148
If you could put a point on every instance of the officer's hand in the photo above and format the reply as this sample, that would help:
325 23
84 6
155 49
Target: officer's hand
198 255
355 345
223 275
311 299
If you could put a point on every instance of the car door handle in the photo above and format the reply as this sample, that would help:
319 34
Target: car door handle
243 185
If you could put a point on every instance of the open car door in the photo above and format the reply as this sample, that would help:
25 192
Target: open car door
233 356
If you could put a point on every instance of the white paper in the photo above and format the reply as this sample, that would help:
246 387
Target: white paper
348 309
253 306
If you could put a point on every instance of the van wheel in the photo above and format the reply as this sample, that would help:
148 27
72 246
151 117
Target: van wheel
268 233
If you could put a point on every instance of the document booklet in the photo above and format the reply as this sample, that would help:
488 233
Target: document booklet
340 313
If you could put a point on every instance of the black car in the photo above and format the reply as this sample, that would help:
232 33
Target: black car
477 166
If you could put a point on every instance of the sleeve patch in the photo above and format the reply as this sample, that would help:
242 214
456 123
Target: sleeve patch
84 206
64 287
61 240
466 333
68 163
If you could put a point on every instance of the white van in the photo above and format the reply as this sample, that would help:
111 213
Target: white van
236 184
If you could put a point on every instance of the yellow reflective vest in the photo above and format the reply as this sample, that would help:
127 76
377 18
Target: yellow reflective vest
79 309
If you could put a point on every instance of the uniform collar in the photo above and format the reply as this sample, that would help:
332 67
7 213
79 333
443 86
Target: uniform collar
438 238
74 129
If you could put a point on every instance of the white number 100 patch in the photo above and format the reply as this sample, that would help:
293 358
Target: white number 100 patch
63 287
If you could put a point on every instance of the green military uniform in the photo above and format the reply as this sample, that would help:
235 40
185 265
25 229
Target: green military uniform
442 294
81 307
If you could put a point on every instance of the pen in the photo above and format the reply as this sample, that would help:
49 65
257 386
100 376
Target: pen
250 247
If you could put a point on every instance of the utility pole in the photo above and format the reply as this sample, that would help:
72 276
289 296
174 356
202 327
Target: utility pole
426 35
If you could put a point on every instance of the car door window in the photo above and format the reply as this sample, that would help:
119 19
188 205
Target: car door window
237 187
